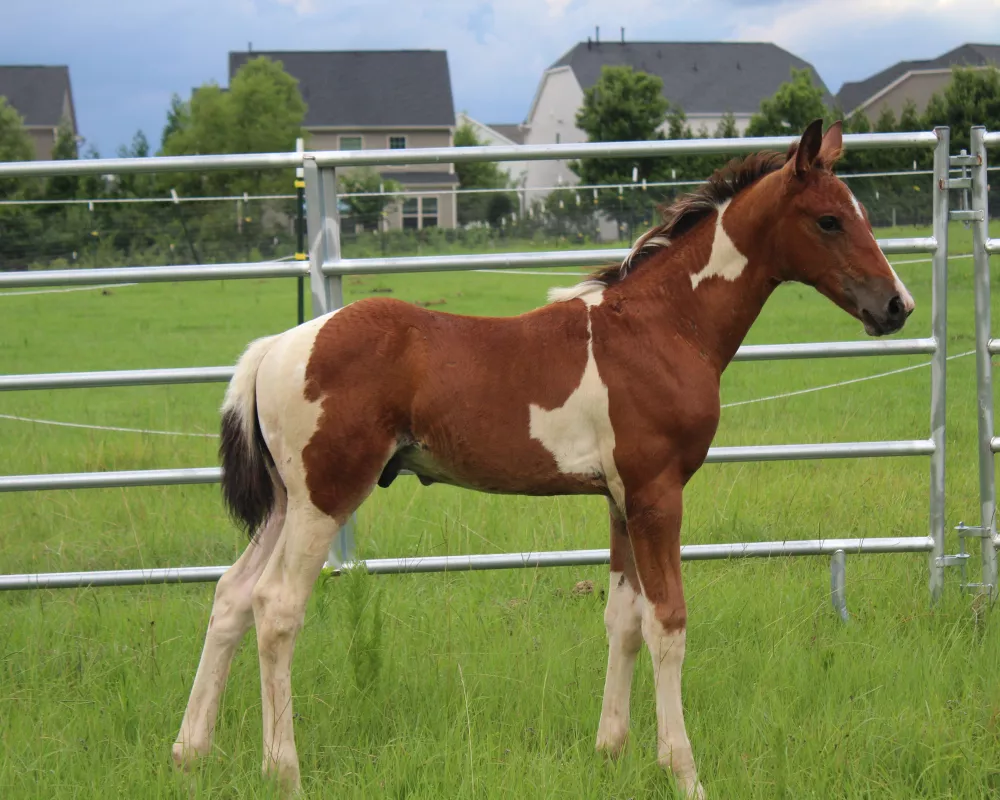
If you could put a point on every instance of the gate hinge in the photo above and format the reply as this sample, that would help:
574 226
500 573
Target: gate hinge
967 215
957 560
965 160
958 183
976 531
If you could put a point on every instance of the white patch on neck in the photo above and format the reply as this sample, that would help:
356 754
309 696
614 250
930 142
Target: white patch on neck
578 434
726 261
591 292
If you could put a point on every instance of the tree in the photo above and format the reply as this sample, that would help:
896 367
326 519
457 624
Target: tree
373 195
15 144
63 187
623 106
726 129
481 206
791 108
972 97
261 112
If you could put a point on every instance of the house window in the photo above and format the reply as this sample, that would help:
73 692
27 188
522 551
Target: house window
397 142
350 142
420 212
429 212
411 213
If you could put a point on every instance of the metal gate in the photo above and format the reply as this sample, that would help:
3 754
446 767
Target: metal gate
326 268
986 347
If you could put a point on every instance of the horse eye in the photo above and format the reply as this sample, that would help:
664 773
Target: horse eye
829 223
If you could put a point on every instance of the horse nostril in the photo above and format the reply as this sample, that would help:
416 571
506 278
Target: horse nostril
896 307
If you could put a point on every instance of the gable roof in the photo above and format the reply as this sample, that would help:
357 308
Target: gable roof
701 77
856 93
509 130
360 88
38 93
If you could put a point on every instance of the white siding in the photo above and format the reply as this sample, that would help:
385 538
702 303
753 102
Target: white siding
517 170
553 115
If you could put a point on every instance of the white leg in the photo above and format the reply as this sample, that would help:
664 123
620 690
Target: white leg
667 651
279 602
232 616
622 619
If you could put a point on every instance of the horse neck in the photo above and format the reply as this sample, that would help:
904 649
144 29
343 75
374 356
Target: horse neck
709 285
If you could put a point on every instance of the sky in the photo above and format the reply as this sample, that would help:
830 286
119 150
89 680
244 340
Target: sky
127 57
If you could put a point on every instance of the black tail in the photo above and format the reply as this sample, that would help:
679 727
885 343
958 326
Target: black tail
248 474
247 485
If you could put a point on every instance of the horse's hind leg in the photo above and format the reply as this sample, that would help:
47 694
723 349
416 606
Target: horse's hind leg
232 616
623 621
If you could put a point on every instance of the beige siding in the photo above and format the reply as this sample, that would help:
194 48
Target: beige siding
378 139
44 140
917 86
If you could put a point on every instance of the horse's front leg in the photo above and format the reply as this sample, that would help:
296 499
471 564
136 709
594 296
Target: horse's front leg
623 621
653 514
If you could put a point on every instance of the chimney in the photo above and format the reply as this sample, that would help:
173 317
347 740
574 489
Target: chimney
597 34
588 42
249 47
623 34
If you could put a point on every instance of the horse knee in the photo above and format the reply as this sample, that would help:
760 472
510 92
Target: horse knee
278 617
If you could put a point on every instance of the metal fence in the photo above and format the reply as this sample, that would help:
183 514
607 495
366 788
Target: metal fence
986 348
325 270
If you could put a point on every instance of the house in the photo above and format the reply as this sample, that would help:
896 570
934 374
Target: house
501 134
43 97
914 81
706 79
380 100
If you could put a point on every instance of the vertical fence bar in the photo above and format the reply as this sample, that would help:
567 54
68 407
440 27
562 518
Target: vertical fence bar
300 230
984 366
939 361
327 291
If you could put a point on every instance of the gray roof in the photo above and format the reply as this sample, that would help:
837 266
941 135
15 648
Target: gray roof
701 77
512 131
38 93
361 88
855 93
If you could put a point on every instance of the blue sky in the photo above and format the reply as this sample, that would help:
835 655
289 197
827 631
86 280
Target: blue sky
127 58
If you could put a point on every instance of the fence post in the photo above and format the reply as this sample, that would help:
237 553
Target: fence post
939 361
323 219
984 368
300 228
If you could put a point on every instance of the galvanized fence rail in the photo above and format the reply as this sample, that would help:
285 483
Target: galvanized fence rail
986 347
326 268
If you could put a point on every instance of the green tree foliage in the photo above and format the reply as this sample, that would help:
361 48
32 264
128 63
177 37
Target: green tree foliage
62 187
488 207
793 106
972 97
726 129
623 106
376 195
18 226
262 112
15 144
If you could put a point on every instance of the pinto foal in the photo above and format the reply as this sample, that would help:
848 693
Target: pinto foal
612 388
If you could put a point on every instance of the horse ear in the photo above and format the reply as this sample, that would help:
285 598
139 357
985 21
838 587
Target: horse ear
833 145
808 149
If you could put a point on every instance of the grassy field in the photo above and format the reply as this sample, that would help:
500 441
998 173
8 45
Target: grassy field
489 684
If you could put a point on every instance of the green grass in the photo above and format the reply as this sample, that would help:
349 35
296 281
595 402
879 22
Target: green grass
489 684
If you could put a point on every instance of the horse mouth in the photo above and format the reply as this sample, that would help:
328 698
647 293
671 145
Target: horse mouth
875 328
